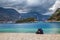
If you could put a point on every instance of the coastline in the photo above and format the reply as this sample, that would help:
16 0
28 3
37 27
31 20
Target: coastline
52 21
28 36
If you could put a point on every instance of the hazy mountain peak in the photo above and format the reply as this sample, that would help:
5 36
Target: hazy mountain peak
8 14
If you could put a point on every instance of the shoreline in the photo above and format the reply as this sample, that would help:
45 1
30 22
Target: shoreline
32 22
52 21
28 36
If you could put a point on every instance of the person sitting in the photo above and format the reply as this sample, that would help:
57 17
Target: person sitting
40 31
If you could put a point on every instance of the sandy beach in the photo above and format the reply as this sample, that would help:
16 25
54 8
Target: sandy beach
28 36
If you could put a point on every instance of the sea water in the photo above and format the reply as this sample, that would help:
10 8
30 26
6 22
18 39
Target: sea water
47 27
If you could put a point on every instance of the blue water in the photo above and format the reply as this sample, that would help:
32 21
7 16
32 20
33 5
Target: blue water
48 27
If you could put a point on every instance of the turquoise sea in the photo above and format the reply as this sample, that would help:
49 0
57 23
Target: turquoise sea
48 27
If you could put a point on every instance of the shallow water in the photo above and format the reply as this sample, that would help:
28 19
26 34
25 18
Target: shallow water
48 27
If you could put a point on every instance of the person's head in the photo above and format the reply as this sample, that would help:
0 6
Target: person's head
39 29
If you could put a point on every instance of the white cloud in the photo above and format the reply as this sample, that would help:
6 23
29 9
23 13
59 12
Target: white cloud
23 10
33 2
48 13
56 5
53 8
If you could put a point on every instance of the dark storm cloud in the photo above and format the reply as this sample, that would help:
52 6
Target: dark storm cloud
26 4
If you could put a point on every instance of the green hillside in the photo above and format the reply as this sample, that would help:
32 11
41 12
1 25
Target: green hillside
55 16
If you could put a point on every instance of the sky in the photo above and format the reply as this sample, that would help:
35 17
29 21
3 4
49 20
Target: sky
24 6
53 8
56 5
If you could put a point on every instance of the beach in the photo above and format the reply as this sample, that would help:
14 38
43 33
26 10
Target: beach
28 36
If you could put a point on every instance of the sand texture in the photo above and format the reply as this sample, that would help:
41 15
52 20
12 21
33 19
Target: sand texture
28 36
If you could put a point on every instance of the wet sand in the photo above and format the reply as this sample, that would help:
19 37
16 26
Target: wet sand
28 36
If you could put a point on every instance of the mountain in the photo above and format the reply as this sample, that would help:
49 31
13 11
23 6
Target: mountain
55 16
34 14
8 14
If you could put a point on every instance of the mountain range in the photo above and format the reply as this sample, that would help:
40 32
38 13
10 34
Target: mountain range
10 14
36 15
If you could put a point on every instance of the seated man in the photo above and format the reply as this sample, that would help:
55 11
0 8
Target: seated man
40 31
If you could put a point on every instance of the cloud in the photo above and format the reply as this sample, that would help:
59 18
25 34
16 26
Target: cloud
24 10
26 4
11 3
33 2
53 8
48 13
56 5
